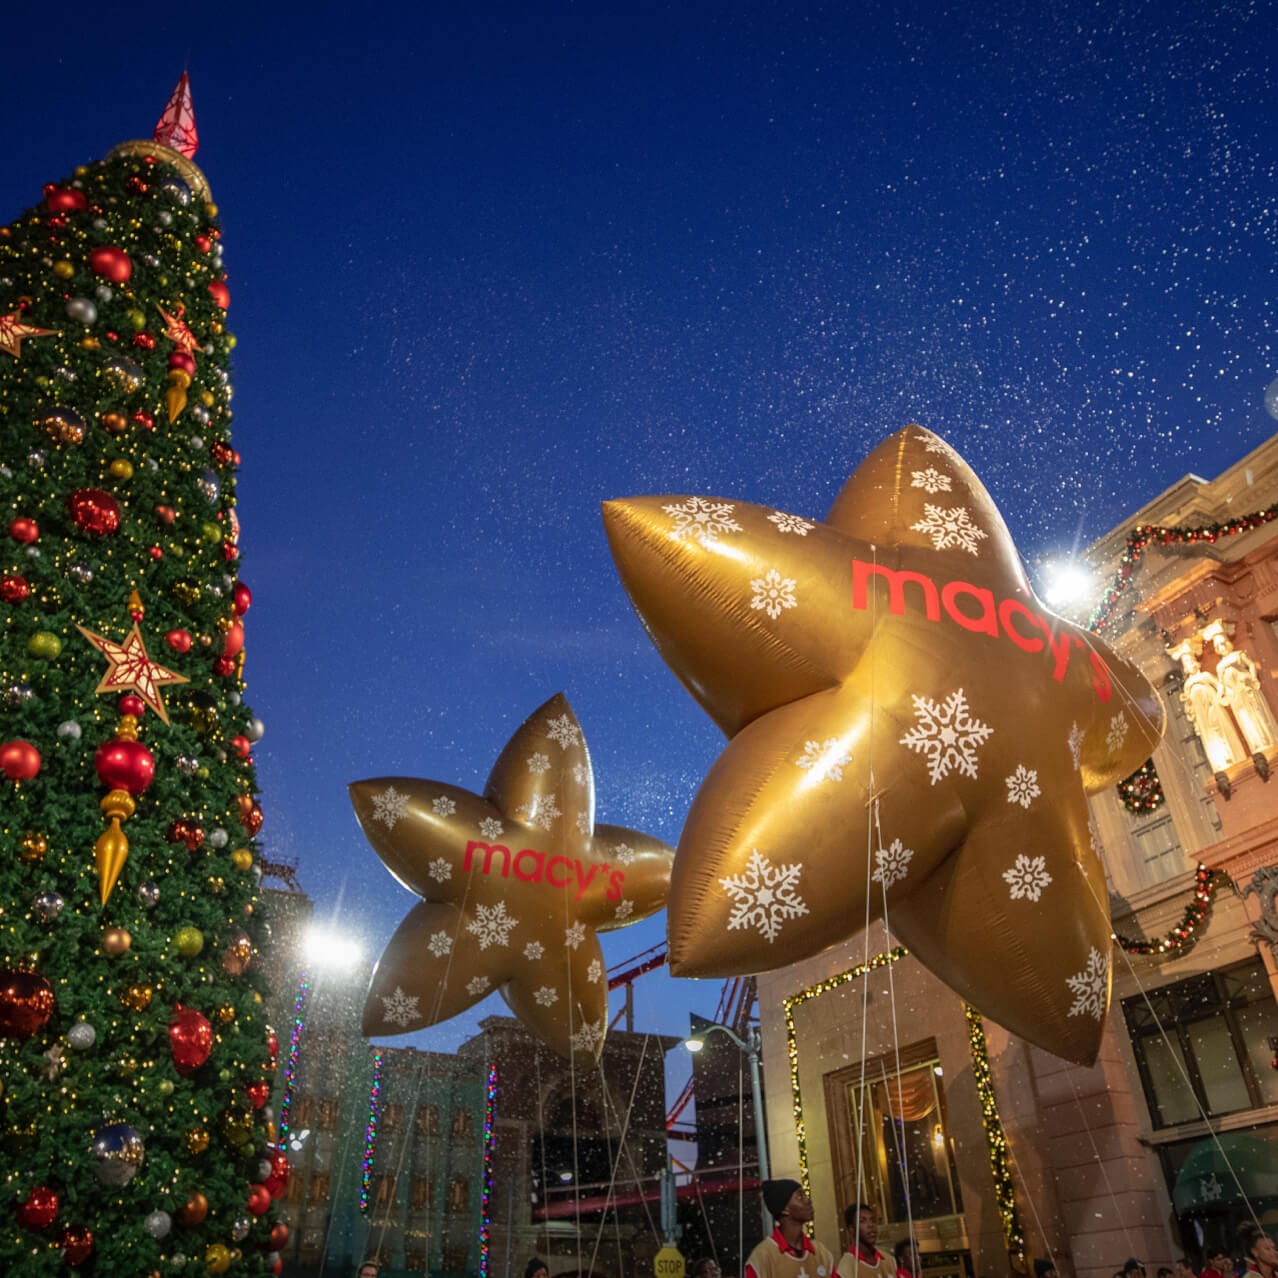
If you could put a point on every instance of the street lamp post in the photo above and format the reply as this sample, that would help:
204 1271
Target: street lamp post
752 1046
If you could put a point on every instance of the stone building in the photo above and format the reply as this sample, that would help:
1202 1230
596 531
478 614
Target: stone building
1171 1139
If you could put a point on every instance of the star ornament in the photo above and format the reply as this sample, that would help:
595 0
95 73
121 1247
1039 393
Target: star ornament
515 885
13 330
131 669
912 735
177 331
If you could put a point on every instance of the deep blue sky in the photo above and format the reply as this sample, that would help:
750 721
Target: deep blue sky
491 267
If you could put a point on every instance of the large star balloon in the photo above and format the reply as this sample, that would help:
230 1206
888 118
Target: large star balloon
911 734
515 885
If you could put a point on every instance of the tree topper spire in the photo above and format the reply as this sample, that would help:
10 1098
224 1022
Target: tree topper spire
176 127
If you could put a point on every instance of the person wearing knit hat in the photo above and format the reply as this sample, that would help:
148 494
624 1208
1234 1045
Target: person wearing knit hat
788 1252
863 1259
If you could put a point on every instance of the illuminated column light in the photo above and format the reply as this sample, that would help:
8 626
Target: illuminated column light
290 1062
370 1132
490 1101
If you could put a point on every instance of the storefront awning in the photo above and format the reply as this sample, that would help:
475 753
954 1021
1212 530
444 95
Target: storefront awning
1220 1171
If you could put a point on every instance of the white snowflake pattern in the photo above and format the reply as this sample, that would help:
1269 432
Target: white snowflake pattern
583 822
538 763
491 828
390 806
1075 743
950 526
790 523
399 1008
764 895
826 759
947 734
625 909
440 943
545 995
1090 986
443 806
543 811
441 870
1027 878
931 481
1022 786
773 593
1118 729
624 853
533 951
492 925
893 863
702 520
477 985
563 732
595 971
574 935
589 1036
579 773
934 445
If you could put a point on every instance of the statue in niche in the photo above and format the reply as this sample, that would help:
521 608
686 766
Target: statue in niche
1240 691
1206 710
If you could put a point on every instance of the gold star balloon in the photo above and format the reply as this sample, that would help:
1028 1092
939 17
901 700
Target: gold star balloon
515 883
912 735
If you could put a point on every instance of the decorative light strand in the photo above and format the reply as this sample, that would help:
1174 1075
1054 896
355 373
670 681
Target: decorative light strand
1184 935
490 1102
290 1063
1000 1164
370 1131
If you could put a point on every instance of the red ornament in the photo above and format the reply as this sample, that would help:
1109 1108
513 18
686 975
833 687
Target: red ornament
182 360
221 452
230 551
250 814
64 199
144 419
77 1244
190 1039
24 530
111 263
40 1208
144 341
203 243
135 185
179 640
94 510
272 1047
132 704
279 1235
233 643
277 1182
220 294
19 760
14 589
197 1207
242 746
26 1003
176 127
165 514
224 666
242 599
125 765
186 831
258 1093
259 1200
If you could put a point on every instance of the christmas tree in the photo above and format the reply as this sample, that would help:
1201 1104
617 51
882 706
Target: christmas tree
135 1058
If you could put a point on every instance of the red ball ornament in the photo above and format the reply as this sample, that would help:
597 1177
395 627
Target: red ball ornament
250 814
258 1093
144 342
203 243
242 746
26 1003
233 642
24 530
144 419
19 760
241 599
220 294
14 589
111 263
230 551
39 1209
190 1039
179 640
224 666
186 831
259 1200
277 1182
77 1244
221 452
64 199
94 510
279 1235
183 361
273 1047
132 704
125 765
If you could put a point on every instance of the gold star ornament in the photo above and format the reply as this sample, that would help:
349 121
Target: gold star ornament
13 330
912 736
515 884
131 669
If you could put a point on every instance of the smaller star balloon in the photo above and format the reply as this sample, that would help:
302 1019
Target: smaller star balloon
131 669
515 885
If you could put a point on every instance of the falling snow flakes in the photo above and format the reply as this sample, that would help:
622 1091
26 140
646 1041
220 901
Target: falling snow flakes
1022 786
1027 878
764 896
545 995
772 593
1118 730
574 935
440 943
893 863
825 759
949 527
477 985
389 807
1090 987
947 734
443 806
931 481
700 520
399 1008
563 732
492 925
790 523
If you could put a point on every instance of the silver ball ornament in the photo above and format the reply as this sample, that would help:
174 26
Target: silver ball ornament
148 893
82 1036
174 189
48 905
36 457
256 730
188 765
69 730
218 838
158 1224
81 573
118 1152
240 1228
209 485
103 293
122 373
83 310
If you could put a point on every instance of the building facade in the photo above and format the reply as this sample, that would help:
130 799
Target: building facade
879 1084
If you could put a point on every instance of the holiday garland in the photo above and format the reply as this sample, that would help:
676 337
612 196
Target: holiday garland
485 1207
370 1132
1142 792
1179 939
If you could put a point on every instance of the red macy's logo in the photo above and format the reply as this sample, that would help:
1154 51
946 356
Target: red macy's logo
982 614
531 866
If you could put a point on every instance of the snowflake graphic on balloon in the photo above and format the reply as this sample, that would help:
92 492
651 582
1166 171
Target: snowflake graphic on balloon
492 925
1090 987
950 527
825 760
773 593
765 896
701 520
947 734
1027 878
1022 786
399 1008
892 864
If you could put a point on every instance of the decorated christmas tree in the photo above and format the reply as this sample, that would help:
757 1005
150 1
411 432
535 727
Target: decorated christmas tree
135 1058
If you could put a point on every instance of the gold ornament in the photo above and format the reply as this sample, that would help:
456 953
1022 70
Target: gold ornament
112 848
516 884
197 1140
226 1014
121 469
889 671
137 998
242 859
114 423
33 847
116 940
175 394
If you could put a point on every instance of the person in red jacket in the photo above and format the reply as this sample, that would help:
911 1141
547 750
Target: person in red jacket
788 1252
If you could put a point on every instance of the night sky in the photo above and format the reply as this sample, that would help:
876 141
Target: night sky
490 268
